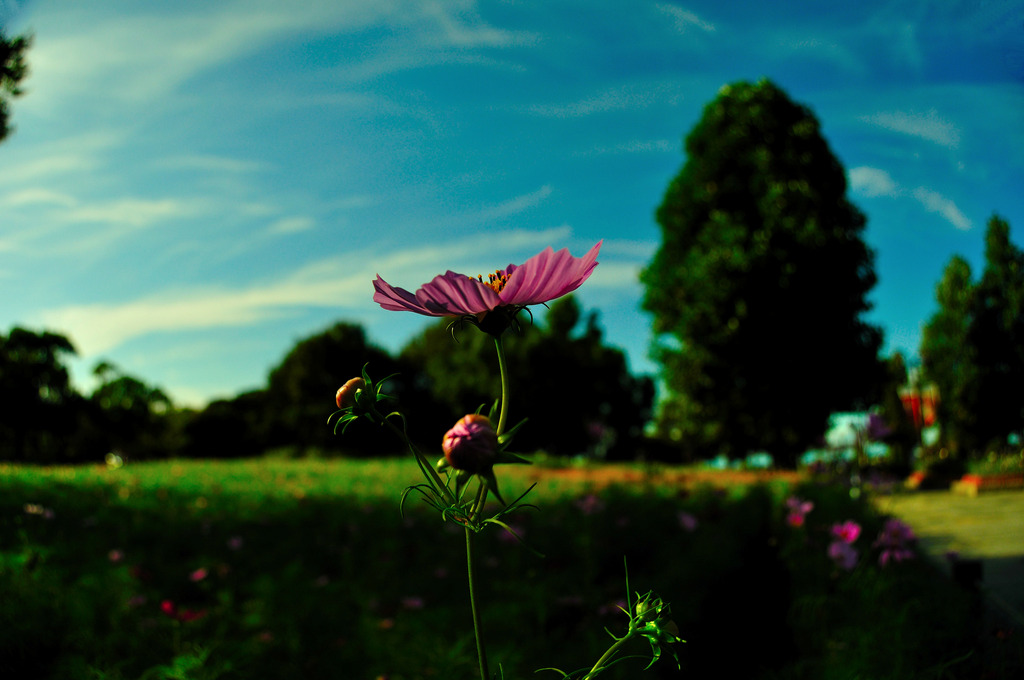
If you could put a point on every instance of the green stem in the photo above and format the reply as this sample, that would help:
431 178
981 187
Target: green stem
424 464
481 653
607 656
503 370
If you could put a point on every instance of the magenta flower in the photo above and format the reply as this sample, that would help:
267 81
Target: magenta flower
846 532
798 510
471 445
545 276
843 554
895 540
687 521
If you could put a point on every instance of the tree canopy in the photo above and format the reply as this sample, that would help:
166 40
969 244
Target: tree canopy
13 69
760 282
973 346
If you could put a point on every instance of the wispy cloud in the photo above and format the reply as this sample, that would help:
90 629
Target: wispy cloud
930 126
290 225
686 20
937 203
341 282
623 98
875 182
872 182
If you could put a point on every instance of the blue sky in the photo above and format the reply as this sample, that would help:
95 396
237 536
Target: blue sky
192 187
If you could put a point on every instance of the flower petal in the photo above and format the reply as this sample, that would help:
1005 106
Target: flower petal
457 294
548 275
399 299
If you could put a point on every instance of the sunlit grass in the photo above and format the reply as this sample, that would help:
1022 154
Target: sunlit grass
281 568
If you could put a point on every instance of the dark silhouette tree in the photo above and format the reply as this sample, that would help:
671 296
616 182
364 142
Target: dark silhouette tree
301 389
759 285
12 70
129 416
996 336
41 409
948 356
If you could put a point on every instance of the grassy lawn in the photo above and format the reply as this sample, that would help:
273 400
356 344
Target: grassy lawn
306 569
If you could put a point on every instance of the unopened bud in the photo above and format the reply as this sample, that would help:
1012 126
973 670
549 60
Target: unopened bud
471 445
346 396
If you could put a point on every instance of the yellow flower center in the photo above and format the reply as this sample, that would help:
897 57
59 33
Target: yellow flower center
496 281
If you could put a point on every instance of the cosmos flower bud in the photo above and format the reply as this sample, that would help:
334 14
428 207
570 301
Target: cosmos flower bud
471 445
346 396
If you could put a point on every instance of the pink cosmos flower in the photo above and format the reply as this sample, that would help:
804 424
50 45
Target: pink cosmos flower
895 541
843 554
471 444
798 510
687 521
846 532
590 504
171 611
545 276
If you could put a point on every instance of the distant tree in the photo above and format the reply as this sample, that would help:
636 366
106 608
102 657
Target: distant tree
301 389
577 392
232 428
41 411
997 339
948 357
130 416
12 70
759 285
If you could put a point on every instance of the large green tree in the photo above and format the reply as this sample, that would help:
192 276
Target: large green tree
997 337
41 409
973 347
759 286
948 357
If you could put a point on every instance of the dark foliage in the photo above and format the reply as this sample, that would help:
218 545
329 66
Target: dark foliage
577 392
759 285
973 347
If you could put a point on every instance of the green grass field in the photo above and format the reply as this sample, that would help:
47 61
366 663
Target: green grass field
306 569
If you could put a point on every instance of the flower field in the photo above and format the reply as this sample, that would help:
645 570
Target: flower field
307 569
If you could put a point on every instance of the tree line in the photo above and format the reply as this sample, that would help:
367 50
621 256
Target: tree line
577 392
757 293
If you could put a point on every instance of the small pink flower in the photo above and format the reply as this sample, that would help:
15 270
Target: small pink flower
843 554
847 532
198 575
115 556
471 445
895 541
171 610
687 521
413 602
235 543
590 504
798 510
